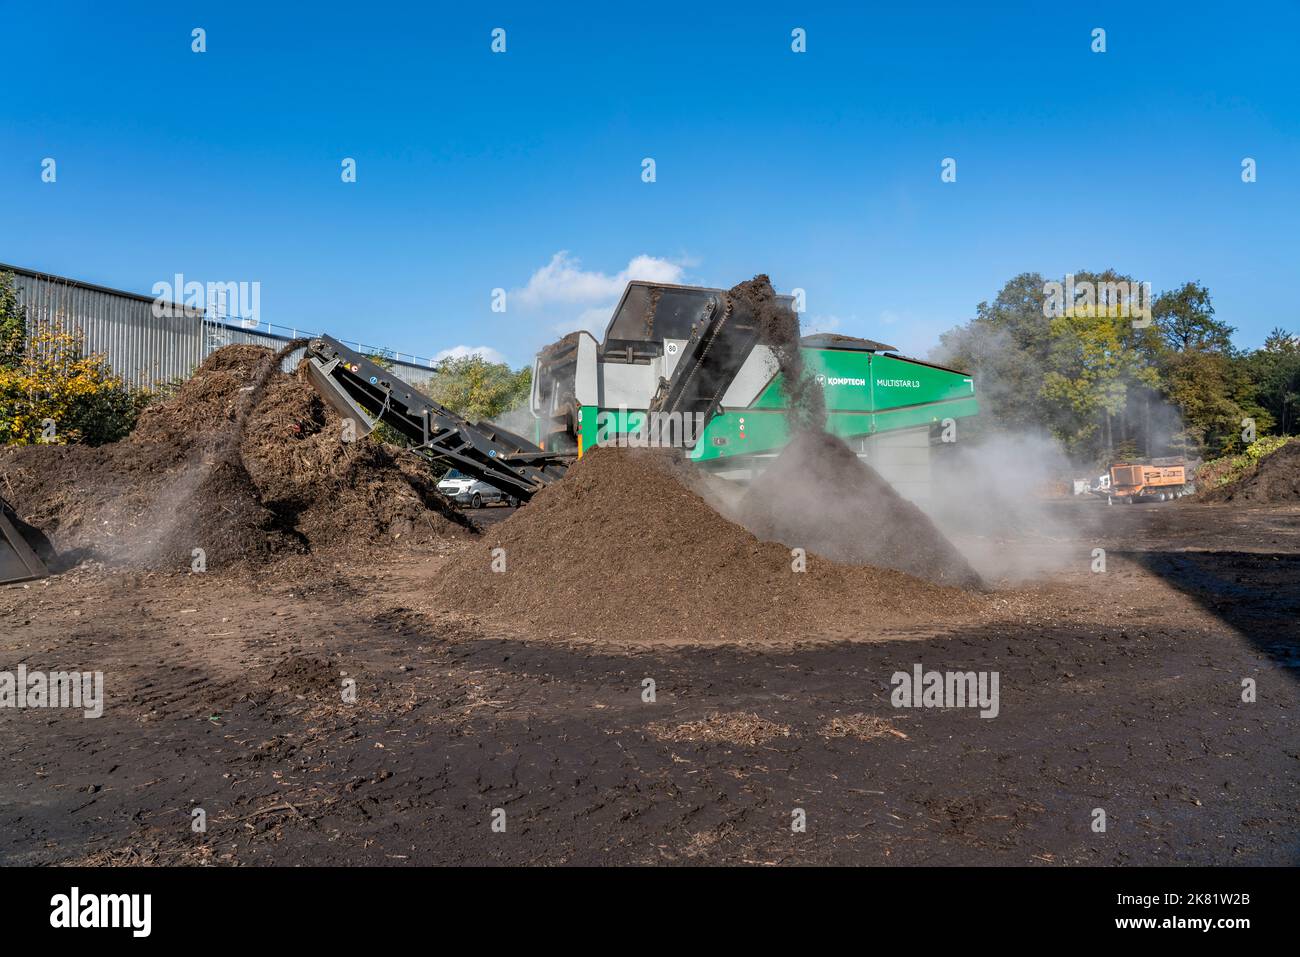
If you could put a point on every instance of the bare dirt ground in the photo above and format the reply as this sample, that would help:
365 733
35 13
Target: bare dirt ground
1120 690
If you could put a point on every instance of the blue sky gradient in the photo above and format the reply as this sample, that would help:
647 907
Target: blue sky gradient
475 170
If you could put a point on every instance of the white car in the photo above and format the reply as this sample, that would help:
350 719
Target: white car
464 490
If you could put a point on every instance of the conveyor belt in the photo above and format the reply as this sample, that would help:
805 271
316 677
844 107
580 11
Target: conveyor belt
719 344
367 393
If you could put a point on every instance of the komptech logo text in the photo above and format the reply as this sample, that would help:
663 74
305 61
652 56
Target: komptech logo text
75 909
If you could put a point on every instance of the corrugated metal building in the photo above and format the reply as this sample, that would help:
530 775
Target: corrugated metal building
141 348
146 349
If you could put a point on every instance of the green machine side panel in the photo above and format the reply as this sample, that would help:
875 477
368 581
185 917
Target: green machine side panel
857 381
897 382
756 431
865 394
587 421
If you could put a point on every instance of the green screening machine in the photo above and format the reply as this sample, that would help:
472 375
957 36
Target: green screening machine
680 366
890 409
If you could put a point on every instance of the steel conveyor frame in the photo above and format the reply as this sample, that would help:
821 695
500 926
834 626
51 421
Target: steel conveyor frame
364 391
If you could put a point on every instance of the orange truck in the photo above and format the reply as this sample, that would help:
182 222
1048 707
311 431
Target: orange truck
1159 483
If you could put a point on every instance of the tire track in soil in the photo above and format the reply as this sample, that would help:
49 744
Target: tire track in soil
559 739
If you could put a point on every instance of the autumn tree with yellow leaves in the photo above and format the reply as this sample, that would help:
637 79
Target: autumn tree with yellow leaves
51 390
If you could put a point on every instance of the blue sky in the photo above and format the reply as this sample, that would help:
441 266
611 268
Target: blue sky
522 170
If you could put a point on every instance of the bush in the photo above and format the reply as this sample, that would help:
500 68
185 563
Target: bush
1230 468
52 392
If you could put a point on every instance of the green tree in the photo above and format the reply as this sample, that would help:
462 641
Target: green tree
1201 373
1213 397
1098 361
1006 346
478 389
1185 317
1274 375
13 323
1083 377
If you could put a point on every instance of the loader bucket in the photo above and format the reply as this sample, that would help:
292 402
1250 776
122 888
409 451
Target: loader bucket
18 563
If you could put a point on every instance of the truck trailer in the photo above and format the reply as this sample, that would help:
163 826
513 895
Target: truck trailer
1133 483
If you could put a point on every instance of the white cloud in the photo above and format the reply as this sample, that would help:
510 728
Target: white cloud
563 281
461 352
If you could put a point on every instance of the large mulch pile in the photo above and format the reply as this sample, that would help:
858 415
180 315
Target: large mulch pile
1274 481
243 461
623 550
334 491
